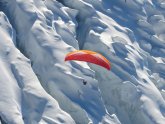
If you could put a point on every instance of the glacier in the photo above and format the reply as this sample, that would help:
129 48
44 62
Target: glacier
38 87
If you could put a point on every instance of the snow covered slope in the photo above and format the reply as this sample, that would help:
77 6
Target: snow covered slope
38 35
22 99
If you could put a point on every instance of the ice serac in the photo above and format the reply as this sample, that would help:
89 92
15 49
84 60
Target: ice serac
46 32
131 36
22 98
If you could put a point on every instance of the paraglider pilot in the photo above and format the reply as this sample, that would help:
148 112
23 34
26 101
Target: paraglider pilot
84 82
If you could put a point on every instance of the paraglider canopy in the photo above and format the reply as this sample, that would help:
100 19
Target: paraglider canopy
88 56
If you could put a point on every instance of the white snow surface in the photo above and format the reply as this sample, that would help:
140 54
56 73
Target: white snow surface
38 87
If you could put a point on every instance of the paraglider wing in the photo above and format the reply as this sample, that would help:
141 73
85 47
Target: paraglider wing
88 56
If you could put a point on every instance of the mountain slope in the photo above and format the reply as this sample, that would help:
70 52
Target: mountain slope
130 34
134 67
22 99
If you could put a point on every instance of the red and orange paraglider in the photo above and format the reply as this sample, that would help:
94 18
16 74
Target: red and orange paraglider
88 56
